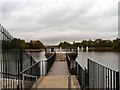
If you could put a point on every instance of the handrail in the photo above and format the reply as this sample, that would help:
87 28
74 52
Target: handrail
102 65
29 75
104 73
51 56
69 81
29 67
69 58
34 65
9 74
77 71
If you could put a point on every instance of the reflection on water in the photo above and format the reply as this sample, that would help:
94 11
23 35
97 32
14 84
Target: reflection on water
38 56
109 59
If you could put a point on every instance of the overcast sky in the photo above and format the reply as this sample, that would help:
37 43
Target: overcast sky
53 21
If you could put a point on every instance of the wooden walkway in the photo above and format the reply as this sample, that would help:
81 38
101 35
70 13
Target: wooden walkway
58 77
59 68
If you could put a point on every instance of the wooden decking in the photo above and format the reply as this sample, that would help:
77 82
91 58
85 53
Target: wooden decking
54 82
58 77
59 68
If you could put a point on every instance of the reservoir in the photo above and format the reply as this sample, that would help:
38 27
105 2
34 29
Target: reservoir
108 59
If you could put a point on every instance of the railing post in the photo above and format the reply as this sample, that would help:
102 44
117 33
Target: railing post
117 80
23 86
69 82
31 64
88 73
21 64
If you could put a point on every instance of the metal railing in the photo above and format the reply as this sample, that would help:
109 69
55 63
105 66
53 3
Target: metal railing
50 62
28 81
53 50
15 63
81 75
96 77
41 68
69 82
9 81
9 59
71 64
68 62
102 77
78 71
13 58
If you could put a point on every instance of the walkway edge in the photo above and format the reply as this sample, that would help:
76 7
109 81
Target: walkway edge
75 82
38 81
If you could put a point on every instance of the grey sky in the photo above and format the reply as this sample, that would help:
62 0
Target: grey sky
52 21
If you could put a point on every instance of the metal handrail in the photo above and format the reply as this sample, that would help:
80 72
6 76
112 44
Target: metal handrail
69 58
51 56
111 76
79 72
27 75
29 67
35 64
69 82
9 74
102 65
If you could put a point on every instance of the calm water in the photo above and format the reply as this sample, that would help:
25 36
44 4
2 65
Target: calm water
38 56
109 59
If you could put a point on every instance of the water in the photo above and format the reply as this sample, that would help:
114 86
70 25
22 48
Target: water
108 59
38 56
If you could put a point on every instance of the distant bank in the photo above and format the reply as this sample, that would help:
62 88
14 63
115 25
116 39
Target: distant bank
34 50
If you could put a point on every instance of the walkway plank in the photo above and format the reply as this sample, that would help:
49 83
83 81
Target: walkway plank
54 82
58 76
59 68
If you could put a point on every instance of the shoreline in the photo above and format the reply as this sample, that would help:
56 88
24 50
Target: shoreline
34 50
101 49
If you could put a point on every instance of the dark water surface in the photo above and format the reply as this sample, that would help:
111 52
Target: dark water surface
108 59
38 56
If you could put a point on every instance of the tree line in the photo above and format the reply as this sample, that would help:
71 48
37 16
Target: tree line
37 44
97 43
32 44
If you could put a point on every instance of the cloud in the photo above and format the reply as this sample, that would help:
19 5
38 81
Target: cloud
53 21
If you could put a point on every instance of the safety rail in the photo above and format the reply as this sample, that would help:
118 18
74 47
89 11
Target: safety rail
53 50
50 62
28 81
81 75
69 82
102 77
13 59
68 61
40 68
31 70
39 64
78 71
16 62
29 75
96 76
9 81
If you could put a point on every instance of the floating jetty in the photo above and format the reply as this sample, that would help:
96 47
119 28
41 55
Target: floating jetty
58 75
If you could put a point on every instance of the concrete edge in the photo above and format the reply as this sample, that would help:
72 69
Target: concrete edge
75 81
38 81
